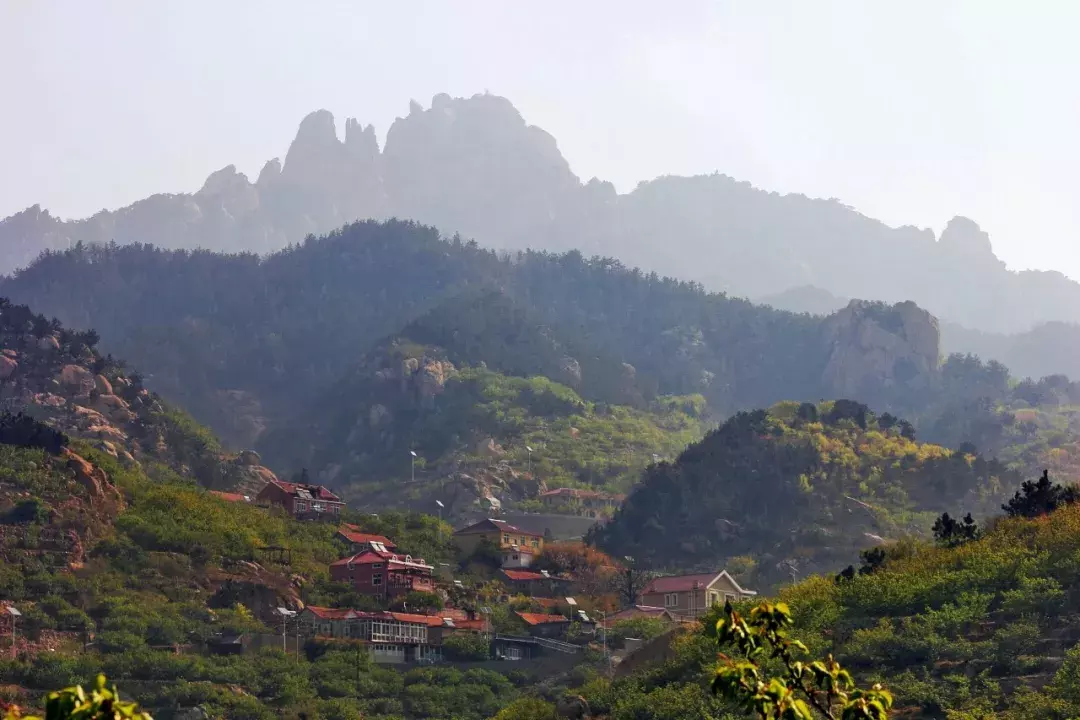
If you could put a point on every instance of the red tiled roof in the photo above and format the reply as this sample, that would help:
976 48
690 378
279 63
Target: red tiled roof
468 624
678 583
326 613
491 525
317 492
524 575
541 618
546 602
230 497
355 536
429 620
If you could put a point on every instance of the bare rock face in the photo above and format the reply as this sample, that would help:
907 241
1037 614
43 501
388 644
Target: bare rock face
103 385
76 379
248 458
96 482
431 379
876 346
570 372
489 448
114 408
7 367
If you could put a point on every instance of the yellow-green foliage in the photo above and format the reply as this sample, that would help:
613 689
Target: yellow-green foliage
576 443
944 626
810 485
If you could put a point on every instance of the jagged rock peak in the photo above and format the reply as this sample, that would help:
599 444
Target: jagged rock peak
964 235
316 141
360 139
270 172
317 126
223 180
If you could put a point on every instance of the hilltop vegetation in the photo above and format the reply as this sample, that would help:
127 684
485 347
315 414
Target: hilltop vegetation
471 425
242 342
801 488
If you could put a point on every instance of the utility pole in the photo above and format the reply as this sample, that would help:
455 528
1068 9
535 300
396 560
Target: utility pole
413 465
15 614
285 614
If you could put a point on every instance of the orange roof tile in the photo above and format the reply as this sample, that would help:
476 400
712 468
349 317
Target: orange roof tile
541 618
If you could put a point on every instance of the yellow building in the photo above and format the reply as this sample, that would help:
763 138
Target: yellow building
501 534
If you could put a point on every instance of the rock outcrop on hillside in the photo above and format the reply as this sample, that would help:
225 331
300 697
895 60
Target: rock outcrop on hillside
474 166
56 377
876 349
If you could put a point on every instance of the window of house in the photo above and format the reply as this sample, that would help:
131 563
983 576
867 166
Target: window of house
714 598
536 542
376 578
516 557
301 506
671 600
377 566
317 507
506 539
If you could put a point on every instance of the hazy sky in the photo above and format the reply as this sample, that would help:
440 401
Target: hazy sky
911 112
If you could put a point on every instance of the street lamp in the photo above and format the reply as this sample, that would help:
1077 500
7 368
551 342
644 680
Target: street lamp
413 463
285 614
530 458
14 614
441 506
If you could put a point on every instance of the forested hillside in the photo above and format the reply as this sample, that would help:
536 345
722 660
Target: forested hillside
474 166
799 488
483 432
240 342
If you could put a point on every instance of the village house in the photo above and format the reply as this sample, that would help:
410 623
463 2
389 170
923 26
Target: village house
516 558
591 503
383 574
360 541
541 584
391 637
501 534
690 596
305 502
554 627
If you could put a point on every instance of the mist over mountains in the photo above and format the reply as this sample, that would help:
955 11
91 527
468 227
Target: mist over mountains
474 166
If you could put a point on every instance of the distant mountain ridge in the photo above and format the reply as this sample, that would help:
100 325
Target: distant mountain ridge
475 167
